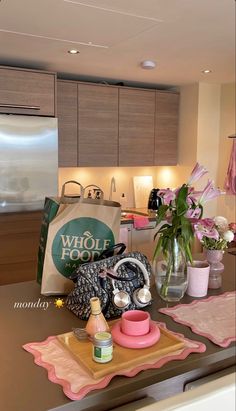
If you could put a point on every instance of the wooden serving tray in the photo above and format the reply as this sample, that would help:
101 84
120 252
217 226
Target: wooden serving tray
123 358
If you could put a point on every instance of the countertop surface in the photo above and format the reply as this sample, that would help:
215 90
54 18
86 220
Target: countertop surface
127 215
25 386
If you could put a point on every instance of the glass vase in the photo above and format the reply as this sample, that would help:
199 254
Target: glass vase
171 273
214 258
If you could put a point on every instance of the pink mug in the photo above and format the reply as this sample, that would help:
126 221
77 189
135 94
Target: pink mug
198 277
135 322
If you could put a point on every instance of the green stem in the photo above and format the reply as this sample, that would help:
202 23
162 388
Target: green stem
165 285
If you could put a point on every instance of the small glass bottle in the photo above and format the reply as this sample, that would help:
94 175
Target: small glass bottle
96 321
123 201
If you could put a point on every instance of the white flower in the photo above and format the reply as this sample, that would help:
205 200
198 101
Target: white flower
228 236
221 223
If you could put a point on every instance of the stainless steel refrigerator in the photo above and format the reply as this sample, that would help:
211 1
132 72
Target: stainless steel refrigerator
28 161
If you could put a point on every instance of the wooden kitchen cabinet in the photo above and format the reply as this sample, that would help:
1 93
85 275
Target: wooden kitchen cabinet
136 127
97 125
67 111
166 128
19 242
103 126
87 124
24 91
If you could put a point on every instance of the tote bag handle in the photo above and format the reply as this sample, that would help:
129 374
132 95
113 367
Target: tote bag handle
65 198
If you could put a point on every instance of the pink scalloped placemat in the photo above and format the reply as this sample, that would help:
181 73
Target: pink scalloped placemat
64 370
213 317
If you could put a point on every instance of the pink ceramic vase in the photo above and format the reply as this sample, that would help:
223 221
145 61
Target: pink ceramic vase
214 258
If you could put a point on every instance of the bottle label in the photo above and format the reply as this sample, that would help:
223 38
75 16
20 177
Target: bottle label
97 352
102 354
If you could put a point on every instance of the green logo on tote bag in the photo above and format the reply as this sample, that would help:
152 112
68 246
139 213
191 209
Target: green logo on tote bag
79 241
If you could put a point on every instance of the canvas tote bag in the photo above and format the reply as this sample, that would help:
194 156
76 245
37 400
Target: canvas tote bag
75 230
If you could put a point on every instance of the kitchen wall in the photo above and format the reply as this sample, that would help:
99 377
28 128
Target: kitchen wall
208 136
188 125
162 177
207 117
102 176
226 204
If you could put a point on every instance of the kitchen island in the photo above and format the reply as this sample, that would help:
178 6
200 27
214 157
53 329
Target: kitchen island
26 316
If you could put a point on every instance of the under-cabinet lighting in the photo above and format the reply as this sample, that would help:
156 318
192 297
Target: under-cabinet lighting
148 64
73 51
166 177
206 71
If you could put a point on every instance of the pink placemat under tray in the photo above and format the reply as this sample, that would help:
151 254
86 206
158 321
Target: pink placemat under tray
213 317
64 370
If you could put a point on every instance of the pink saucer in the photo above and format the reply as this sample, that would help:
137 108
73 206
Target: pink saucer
140 341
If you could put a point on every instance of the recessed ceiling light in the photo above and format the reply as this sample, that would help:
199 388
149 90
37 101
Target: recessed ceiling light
206 71
148 64
73 51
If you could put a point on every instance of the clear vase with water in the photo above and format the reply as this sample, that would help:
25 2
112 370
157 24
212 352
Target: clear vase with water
171 272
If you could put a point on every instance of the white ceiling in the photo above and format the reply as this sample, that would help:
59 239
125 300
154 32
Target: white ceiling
113 36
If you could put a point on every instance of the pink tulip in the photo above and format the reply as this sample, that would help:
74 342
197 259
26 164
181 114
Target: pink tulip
197 173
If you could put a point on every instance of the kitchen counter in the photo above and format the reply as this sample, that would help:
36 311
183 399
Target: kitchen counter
25 387
126 215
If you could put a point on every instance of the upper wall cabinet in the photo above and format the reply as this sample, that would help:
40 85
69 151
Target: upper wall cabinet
136 127
67 123
166 128
98 125
27 92
101 126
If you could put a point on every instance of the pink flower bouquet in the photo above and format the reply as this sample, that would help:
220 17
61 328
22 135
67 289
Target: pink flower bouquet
214 234
181 213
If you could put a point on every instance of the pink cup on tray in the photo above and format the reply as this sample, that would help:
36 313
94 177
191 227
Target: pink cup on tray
135 330
135 323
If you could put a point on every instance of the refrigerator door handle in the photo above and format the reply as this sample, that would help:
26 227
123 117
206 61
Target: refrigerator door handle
20 106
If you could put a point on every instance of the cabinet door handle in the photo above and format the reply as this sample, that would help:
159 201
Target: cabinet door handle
144 228
24 106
